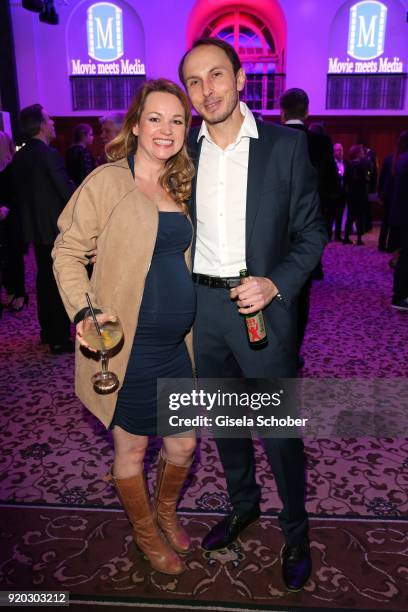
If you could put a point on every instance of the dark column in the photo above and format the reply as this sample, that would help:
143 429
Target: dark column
8 74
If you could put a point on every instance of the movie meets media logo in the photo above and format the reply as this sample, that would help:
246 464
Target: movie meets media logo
366 42
105 41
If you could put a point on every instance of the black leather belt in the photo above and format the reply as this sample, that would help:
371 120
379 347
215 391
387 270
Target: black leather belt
217 282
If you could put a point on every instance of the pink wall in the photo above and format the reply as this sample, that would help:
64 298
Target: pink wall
41 51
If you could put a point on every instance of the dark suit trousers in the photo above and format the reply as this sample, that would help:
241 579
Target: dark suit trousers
355 214
221 350
54 321
336 217
303 312
400 286
14 272
383 239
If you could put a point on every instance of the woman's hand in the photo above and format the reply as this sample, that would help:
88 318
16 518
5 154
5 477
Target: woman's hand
80 338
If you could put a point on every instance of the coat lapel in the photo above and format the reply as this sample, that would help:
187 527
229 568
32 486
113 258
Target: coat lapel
258 157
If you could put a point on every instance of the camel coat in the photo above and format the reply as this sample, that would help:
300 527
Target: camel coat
107 214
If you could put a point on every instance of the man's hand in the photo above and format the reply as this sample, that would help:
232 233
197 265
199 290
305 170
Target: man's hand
254 294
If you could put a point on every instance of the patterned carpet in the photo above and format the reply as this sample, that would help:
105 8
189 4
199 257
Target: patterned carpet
358 564
52 452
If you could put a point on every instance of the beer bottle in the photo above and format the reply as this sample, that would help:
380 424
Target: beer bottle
255 324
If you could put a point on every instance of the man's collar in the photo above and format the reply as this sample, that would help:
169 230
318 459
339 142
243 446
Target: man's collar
294 122
248 128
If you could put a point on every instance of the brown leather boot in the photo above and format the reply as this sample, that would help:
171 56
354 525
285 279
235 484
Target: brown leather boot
170 479
135 499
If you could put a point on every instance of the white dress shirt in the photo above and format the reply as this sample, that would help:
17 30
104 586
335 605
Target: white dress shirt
221 201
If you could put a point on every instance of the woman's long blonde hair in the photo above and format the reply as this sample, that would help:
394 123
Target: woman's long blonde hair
178 170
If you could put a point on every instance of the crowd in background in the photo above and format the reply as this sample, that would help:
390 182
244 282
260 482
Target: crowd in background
36 183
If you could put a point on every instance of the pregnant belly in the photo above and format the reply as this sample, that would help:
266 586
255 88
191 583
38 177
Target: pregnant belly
165 330
168 288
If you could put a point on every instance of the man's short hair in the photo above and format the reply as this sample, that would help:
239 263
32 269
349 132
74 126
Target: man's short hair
116 118
30 119
294 103
214 42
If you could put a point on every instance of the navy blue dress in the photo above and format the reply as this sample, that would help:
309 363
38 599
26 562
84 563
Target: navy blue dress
166 314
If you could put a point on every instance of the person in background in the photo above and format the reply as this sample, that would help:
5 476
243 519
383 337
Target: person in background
356 180
339 203
399 222
370 160
13 271
134 212
317 127
78 158
42 189
294 107
110 127
385 191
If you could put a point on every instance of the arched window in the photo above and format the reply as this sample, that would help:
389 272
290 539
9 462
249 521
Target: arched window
256 48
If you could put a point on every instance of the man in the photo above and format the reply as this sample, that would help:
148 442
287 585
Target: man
254 206
42 189
385 191
294 105
110 128
78 158
340 202
399 222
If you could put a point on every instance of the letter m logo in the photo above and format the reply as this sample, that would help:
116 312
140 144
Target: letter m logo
105 32
367 29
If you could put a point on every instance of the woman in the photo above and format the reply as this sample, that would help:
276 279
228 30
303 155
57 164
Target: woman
11 242
78 158
356 183
133 212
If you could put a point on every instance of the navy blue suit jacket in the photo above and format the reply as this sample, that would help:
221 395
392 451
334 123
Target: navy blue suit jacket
285 232
42 189
399 206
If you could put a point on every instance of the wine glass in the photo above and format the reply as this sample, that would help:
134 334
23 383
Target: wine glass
104 340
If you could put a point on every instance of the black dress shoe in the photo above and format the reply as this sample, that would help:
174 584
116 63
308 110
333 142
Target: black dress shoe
66 347
296 566
227 530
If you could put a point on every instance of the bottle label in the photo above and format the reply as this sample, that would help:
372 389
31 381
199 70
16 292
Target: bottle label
256 327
